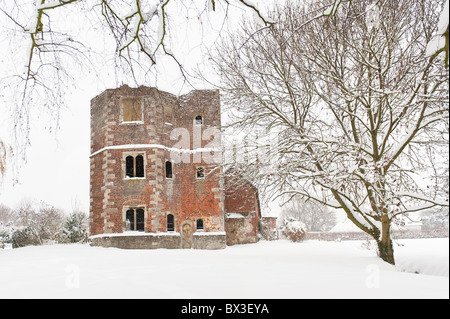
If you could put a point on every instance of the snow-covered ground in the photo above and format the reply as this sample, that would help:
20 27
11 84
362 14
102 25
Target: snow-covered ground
277 269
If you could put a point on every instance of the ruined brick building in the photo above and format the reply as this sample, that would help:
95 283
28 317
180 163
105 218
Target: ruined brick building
149 188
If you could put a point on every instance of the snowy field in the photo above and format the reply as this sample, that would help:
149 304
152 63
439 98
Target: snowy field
277 269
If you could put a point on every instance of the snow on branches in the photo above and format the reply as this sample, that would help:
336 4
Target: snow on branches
360 111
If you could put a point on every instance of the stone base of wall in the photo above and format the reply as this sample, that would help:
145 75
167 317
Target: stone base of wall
213 240
268 228
241 229
137 241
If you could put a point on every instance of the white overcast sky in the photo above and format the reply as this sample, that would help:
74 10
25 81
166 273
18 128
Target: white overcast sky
57 166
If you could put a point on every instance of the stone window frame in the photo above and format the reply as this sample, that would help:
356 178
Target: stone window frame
134 154
121 115
126 208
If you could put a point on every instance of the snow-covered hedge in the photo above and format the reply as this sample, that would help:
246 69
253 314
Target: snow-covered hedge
294 230
39 224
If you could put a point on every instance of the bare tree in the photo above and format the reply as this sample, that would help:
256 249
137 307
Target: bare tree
6 215
356 102
135 25
49 54
440 41
41 222
50 45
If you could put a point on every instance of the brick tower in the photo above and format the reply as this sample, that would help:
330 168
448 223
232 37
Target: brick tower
150 186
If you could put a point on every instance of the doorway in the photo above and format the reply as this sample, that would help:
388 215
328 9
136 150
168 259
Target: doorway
186 236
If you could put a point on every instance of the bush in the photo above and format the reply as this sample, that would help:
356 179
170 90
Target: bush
5 235
24 236
19 236
295 230
38 223
75 228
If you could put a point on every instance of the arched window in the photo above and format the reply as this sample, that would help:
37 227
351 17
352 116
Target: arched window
198 120
199 224
139 166
129 163
168 169
200 172
170 223
135 219
134 166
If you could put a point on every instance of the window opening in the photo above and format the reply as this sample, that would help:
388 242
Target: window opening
140 219
134 166
170 223
198 120
130 219
132 111
168 170
199 224
200 172
129 163
135 219
139 166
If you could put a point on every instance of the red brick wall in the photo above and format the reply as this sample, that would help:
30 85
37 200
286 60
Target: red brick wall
184 196
241 197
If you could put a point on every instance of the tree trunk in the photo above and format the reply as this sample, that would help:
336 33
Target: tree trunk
385 247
